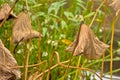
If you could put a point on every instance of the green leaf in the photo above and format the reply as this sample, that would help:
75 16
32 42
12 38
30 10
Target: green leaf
63 24
44 31
68 15
89 15
81 4
38 14
36 5
56 6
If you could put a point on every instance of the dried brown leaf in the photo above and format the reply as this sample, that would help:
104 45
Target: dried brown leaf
87 43
22 29
4 11
116 6
6 62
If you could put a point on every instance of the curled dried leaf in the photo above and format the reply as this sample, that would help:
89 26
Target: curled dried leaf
116 6
4 11
22 29
87 43
6 62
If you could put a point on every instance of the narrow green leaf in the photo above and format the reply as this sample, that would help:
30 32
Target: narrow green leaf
89 15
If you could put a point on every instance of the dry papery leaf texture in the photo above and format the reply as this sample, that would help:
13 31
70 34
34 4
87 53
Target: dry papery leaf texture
22 29
87 43
7 61
4 12
116 6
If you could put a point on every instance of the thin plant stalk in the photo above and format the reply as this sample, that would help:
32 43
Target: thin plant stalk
28 53
111 46
102 68
96 13
25 54
67 67
33 65
104 38
45 66
26 63
39 40
48 75
84 63
76 74
39 54
11 45
114 71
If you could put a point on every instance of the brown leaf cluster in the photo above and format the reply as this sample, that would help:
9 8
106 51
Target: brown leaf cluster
87 43
4 11
6 62
22 29
116 6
